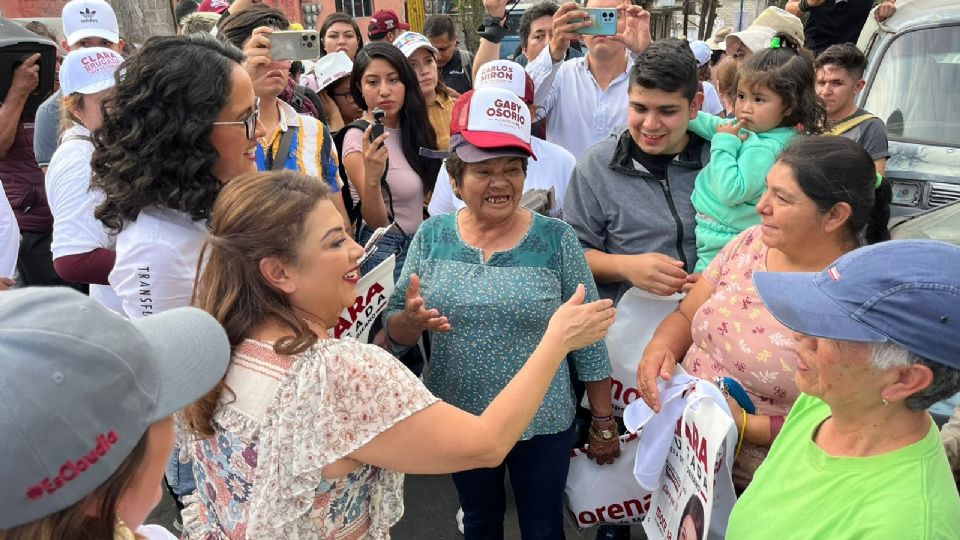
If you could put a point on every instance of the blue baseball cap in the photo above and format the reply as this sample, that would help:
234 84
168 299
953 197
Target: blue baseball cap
904 291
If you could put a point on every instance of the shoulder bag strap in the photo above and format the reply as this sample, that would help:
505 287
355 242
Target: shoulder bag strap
847 125
278 161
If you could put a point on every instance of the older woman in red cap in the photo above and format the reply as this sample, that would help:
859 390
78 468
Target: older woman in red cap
492 275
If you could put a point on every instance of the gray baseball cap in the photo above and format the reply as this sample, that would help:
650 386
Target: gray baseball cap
81 385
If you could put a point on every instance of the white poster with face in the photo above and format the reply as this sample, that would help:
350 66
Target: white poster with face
695 494
373 294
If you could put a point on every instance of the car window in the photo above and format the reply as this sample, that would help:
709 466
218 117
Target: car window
916 88
941 224
513 21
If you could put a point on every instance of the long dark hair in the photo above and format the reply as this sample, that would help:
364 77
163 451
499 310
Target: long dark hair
787 70
832 170
257 215
415 130
153 148
334 18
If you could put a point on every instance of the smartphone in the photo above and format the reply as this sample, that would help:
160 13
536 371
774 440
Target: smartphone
604 22
377 130
294 45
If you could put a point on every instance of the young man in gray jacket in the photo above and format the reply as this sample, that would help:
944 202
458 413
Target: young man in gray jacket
629 195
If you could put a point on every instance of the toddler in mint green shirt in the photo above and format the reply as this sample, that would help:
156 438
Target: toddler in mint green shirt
775 102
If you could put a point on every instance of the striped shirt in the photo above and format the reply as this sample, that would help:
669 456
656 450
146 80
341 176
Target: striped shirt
311 151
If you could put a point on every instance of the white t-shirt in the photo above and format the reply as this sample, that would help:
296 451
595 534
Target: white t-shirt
157 261
552 168
9 238
711 100
75 230
155 532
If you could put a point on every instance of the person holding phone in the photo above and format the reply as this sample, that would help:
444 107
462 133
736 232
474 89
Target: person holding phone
391 179
23 179
583 98
293 141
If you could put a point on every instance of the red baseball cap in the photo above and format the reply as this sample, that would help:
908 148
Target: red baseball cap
384 21
213 6
490 122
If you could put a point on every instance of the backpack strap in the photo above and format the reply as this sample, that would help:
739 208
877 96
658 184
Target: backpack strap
849 124
296 100
353 208
466 61
277 162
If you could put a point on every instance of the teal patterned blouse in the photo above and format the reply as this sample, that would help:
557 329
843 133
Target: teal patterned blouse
498 312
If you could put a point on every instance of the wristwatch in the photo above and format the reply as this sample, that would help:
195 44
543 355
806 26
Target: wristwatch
492 29
605 435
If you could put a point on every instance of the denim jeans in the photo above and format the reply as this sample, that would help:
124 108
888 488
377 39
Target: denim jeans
538 473
392 243
180 476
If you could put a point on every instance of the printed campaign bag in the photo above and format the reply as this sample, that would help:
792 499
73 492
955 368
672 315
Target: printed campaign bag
373 295
638 315
693 493
608 494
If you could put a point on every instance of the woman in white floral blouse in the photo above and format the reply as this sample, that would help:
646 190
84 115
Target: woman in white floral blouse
823 199
308 436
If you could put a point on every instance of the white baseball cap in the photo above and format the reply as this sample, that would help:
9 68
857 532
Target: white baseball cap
489 123
89 18
409 42
331 68
507 75
89 70
701 51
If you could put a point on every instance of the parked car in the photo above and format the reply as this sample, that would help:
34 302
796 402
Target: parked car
942 224
913 84
510 44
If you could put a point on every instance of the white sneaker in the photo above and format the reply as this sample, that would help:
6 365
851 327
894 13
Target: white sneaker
460 520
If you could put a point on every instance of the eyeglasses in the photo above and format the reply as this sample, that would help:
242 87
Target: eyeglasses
249 123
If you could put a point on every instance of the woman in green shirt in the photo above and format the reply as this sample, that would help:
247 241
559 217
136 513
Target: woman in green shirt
485 281
859 456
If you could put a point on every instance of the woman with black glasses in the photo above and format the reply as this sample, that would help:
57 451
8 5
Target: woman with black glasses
183 122
166 146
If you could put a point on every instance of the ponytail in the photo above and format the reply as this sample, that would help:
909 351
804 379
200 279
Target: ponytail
877 230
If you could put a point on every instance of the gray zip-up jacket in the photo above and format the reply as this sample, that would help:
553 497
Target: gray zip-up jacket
616 206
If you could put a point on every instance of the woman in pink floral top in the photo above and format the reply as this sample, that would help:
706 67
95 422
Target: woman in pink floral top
308 436
823 199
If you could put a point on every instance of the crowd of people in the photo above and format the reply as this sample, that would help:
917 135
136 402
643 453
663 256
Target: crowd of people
184 224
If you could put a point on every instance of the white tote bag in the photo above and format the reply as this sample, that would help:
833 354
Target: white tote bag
373 294
606 493
638 315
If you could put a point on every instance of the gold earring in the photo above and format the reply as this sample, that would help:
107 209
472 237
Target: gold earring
884 401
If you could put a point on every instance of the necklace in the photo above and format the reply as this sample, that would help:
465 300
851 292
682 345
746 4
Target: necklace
311 319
